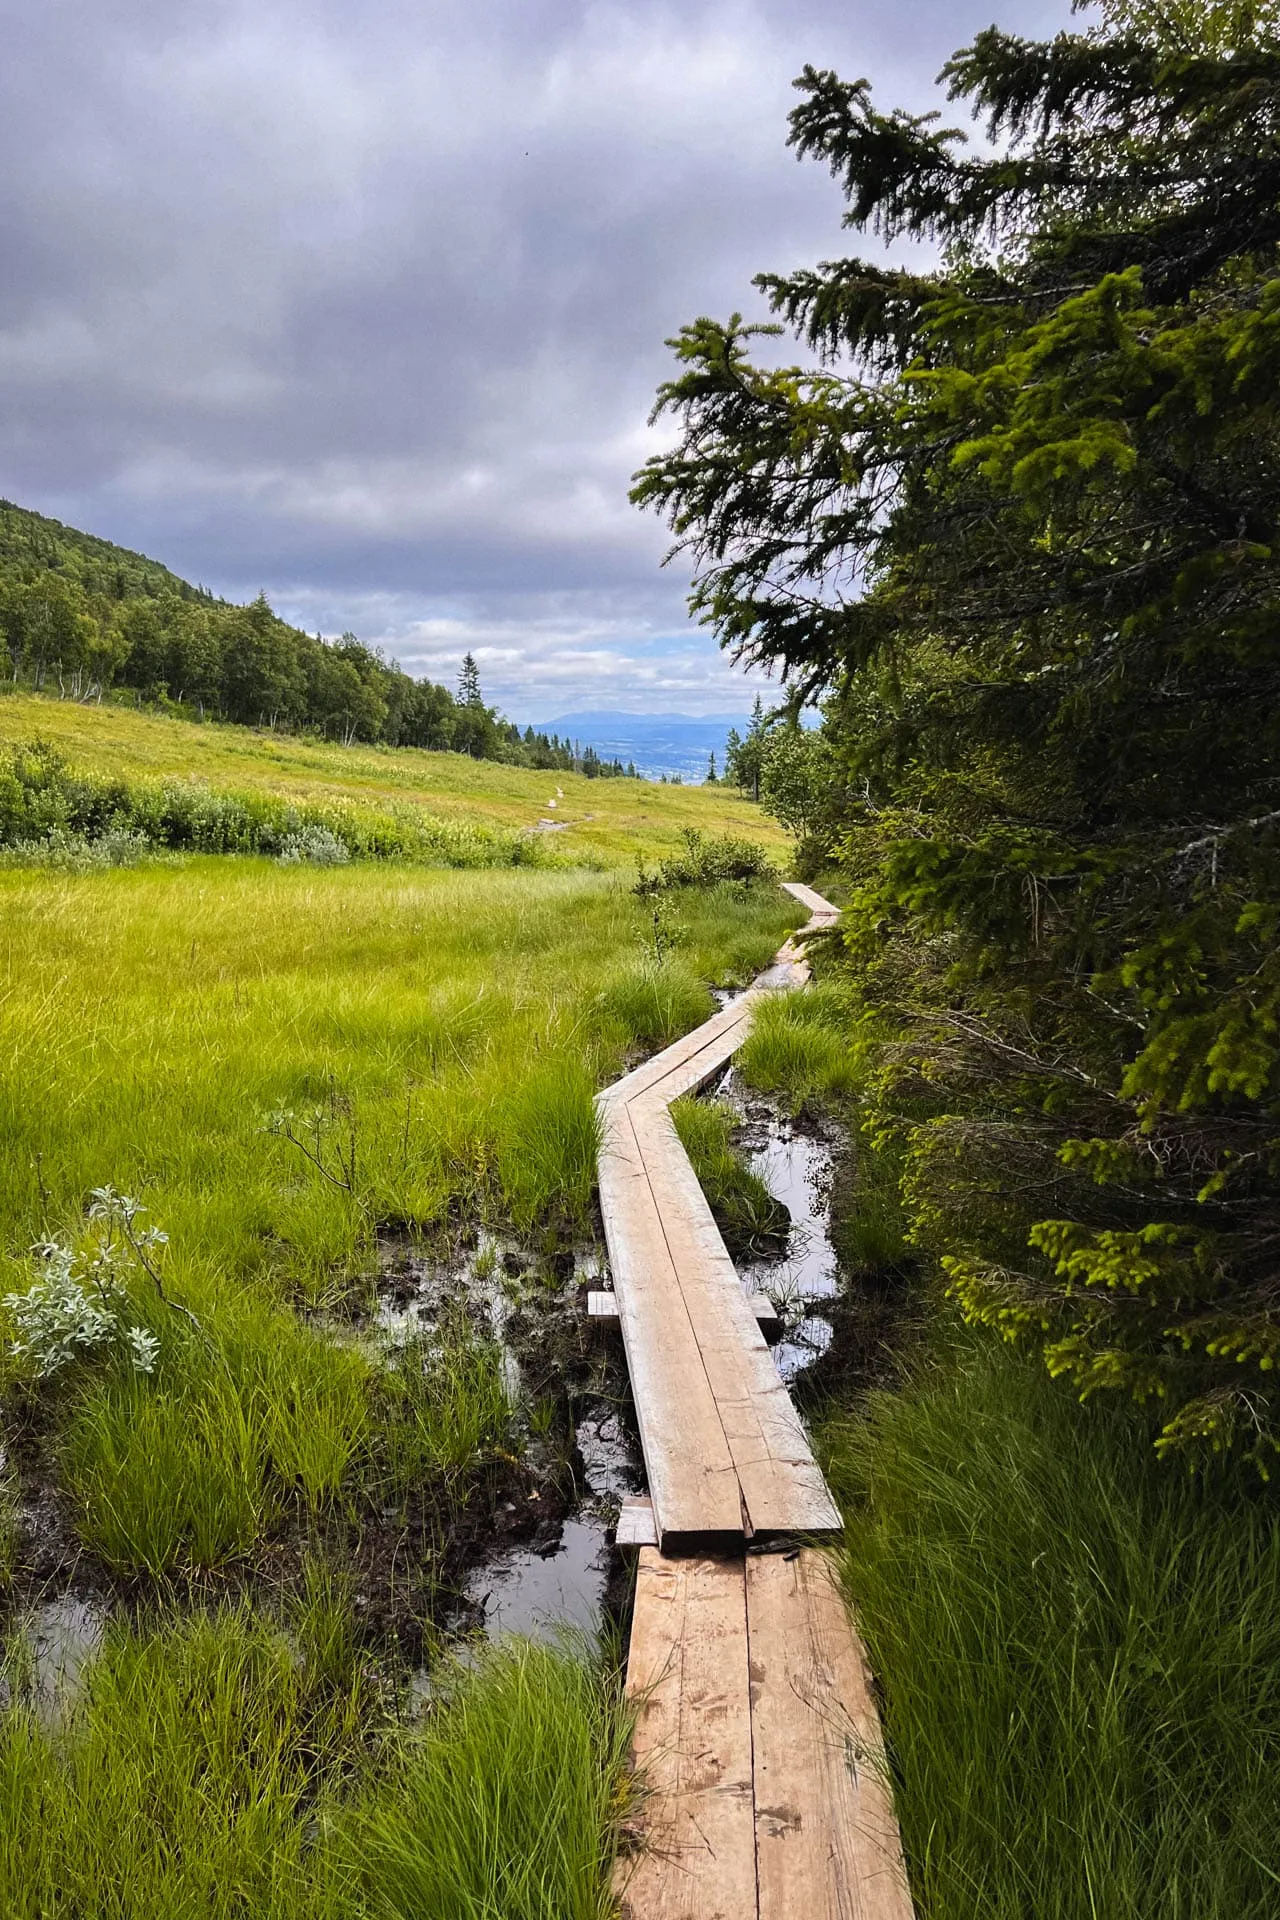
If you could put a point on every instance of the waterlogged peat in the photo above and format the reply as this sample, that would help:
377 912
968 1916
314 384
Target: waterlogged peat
797 1159
546 1561
47 1650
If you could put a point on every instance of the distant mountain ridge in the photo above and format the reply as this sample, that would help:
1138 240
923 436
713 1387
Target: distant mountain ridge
658 743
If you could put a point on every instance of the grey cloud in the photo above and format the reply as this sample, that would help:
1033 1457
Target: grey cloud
366 304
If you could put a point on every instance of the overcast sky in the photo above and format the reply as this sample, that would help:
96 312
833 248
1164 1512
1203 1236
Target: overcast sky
365 302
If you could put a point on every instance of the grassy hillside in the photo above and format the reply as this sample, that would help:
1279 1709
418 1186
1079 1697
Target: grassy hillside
606 821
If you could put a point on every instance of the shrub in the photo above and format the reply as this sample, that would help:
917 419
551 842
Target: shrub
706 861
316 846
80 1304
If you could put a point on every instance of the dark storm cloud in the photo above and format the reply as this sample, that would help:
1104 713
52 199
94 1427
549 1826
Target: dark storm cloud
366 303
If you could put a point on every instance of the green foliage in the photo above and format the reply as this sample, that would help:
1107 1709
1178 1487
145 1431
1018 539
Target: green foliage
546 1154
507 1803
445 1411
183 1782
1079 1654
1018 530
162 1479
799 1046
209 1770
707 861
51 815
656 1001
750 1220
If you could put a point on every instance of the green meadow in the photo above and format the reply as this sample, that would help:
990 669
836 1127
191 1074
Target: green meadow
291 1067
600 822
279 1064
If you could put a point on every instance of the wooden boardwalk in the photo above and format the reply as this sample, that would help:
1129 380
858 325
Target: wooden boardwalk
758 1737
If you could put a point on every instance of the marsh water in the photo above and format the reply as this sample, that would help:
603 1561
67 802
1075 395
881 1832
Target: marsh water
540 1587
551 1565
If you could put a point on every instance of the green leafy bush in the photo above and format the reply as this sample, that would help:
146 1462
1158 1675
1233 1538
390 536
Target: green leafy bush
708 860
51 815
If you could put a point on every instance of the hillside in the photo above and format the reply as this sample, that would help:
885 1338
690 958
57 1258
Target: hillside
584 819
87 616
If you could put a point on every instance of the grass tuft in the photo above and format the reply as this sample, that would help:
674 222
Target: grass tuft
506 1808
1079 1652
163 1478
799 1047
750 1220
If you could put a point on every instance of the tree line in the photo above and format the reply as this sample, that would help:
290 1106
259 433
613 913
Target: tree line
84 617
1012 523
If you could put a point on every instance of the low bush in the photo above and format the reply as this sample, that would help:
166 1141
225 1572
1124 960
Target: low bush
51 815
708 860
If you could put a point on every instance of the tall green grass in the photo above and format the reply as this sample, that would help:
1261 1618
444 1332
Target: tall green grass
437 1039
749 1218
1079 1652
445 1411
507 1807
799 1046
160 1478
180 1784
220 1768
603 824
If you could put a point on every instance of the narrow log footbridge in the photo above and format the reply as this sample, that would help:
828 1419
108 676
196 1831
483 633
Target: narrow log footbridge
765 1789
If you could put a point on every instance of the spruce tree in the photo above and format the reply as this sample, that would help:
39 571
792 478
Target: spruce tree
1017 525
469 694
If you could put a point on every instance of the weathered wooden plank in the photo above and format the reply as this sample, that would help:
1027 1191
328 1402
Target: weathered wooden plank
699 1040
603 1307
636 1524
688 1674
782 1487
691 1475
827 1844
820 909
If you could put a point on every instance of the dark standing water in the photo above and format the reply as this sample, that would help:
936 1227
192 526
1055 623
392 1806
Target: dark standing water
46 1656
538 1591
797 1164
542 1588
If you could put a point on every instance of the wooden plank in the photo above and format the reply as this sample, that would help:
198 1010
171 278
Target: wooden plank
636 1525
692 1072
827 1844
697 1040
782 1487
603 1307
689 1676
819 909
691 1475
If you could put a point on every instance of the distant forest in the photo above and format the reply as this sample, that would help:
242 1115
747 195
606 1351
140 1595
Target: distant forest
85 617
